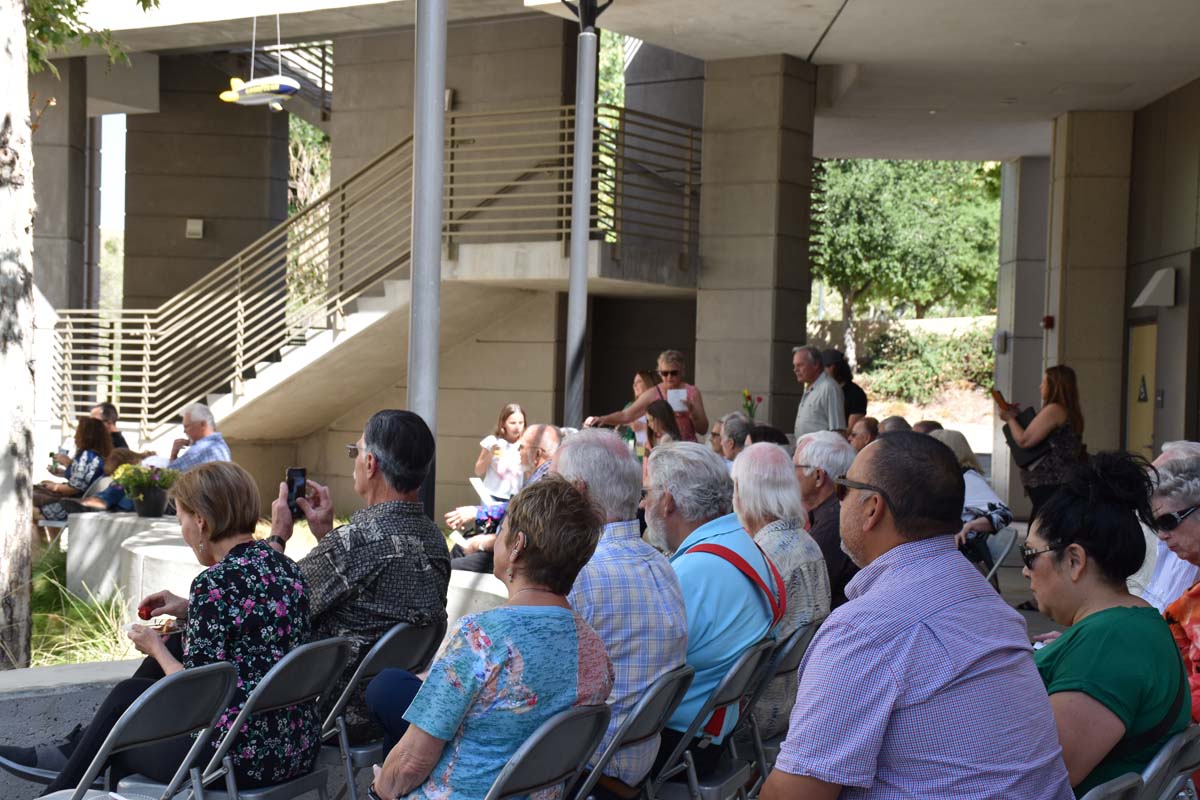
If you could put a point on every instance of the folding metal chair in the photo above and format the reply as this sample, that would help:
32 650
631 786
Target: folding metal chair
302 676
1126 787
644 722
554 755
402 647
731 778
186 702
1168 772
999 545
784 661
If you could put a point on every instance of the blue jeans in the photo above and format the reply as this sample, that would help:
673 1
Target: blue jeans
389 695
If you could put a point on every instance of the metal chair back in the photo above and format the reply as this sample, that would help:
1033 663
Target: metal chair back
1126 787
554 755
185 702
736 684
644 722
1168 771
999 545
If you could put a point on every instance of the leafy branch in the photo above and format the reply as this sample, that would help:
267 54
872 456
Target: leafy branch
53 25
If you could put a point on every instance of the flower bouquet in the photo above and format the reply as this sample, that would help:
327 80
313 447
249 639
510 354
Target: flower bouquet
146 486
750 403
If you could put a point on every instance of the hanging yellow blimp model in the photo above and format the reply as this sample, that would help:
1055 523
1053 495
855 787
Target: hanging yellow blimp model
270 91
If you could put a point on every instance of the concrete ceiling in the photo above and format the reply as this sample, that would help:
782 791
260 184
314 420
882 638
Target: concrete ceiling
993 73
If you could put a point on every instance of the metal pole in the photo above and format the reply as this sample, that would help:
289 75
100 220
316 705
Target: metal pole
424 325
581 211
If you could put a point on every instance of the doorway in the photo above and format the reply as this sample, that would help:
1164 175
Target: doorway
1140 388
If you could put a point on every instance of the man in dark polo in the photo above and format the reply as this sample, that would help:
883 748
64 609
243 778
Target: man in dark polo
821 457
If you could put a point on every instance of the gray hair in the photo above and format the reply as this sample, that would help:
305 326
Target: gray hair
1179 479
737 427
814 352
765 487
611 476
1181 449
198 412
827 451
695 476
893 424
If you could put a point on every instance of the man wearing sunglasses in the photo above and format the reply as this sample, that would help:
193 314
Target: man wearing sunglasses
921 685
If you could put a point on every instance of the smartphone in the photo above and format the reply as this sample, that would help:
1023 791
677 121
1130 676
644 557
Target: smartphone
297 485
999 398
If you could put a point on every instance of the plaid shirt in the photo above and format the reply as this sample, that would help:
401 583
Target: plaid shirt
922 686
201 451
630 595
389 564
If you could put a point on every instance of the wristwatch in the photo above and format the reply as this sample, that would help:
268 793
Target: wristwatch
275 538
372 794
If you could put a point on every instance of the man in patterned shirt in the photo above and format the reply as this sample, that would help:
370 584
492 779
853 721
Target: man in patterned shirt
627 591
389 564
942 698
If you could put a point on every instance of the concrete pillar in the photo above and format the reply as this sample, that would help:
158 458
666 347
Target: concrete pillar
60 181
1085 280
1020 304
754 281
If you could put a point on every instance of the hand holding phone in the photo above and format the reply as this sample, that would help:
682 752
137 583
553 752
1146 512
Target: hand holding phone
297 486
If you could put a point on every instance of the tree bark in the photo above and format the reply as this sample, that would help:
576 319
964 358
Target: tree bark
16 337
848 336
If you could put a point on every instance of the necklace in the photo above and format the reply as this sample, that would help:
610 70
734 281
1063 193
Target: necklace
533 589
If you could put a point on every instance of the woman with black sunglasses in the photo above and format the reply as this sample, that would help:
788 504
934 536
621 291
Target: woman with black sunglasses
1114 677
1176 503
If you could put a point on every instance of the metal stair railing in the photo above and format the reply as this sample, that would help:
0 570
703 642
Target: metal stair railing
507 179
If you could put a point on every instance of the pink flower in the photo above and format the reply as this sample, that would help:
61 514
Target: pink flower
247 604
758 399
214 594
280 609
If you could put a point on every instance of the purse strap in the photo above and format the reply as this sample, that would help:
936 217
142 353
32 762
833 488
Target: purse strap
1135 744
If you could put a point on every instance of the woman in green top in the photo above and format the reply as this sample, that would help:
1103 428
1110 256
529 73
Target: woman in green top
1114 677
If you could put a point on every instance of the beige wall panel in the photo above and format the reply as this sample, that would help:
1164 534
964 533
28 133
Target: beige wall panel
1097 217
1100 143
740 209
267 462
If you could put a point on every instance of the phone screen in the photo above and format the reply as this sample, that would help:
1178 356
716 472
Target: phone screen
297 485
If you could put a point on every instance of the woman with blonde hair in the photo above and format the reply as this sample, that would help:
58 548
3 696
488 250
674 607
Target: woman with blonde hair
684 398
249 607
499 462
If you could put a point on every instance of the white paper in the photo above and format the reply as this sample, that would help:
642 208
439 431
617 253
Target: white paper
676 397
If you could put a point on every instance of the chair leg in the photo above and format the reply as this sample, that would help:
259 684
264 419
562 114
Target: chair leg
693 781
351 790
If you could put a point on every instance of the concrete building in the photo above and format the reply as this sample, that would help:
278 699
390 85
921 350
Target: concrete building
701 218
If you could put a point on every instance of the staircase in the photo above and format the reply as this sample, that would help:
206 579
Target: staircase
313 316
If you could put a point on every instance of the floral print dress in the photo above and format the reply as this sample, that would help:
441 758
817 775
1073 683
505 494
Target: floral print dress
251 609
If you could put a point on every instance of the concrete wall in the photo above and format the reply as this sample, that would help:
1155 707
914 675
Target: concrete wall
197 158
59 181
669 84
522 62
518 359
1164 232
627 335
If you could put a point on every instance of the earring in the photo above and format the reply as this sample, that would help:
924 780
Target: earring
510 574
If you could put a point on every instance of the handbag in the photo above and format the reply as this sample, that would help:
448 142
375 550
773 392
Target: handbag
1025 457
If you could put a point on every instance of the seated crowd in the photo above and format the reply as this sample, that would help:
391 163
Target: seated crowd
626 554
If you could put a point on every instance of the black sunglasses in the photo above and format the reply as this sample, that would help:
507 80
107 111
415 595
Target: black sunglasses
844 485
1169 522
1029 555
668 373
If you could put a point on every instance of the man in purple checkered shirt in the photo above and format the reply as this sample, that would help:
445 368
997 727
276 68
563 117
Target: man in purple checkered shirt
922 685
627 591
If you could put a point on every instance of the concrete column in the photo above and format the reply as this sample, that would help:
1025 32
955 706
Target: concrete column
1085 280
1020 303
754 281
60 181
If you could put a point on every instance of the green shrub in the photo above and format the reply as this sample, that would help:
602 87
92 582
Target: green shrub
915 366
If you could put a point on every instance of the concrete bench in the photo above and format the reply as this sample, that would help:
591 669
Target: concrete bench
94 558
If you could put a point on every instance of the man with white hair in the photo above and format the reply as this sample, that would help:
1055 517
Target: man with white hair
203 444
734 596
766 499
627 591
821 458
1172 576
822 406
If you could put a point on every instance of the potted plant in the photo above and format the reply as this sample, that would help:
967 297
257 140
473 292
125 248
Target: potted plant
146 486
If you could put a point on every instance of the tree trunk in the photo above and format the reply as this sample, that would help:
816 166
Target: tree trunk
848 336
920 310
16 337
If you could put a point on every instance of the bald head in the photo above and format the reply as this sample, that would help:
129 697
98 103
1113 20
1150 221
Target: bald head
1175 450
538 444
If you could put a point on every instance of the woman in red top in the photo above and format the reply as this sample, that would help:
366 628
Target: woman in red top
691 419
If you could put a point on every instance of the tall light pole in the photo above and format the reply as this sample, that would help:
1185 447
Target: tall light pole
581 206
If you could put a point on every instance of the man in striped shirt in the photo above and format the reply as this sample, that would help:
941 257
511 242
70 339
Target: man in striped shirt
628 592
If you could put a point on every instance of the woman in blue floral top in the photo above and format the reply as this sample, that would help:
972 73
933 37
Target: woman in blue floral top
93 443
250 608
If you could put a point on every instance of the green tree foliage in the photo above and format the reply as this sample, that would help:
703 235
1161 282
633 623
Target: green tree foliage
611 89
908 234
52 25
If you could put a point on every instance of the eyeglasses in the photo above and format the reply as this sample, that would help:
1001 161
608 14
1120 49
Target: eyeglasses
1169 522
668 373
1029 556
844 485
352 450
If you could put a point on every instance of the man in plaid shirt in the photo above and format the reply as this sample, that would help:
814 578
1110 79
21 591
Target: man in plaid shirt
628 592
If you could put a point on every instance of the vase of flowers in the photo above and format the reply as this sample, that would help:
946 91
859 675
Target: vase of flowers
750 403
146 486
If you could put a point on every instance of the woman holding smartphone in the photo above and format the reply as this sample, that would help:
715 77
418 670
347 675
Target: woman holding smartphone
1059 423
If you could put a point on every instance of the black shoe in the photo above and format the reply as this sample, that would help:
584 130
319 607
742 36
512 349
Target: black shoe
40 764
1028 605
